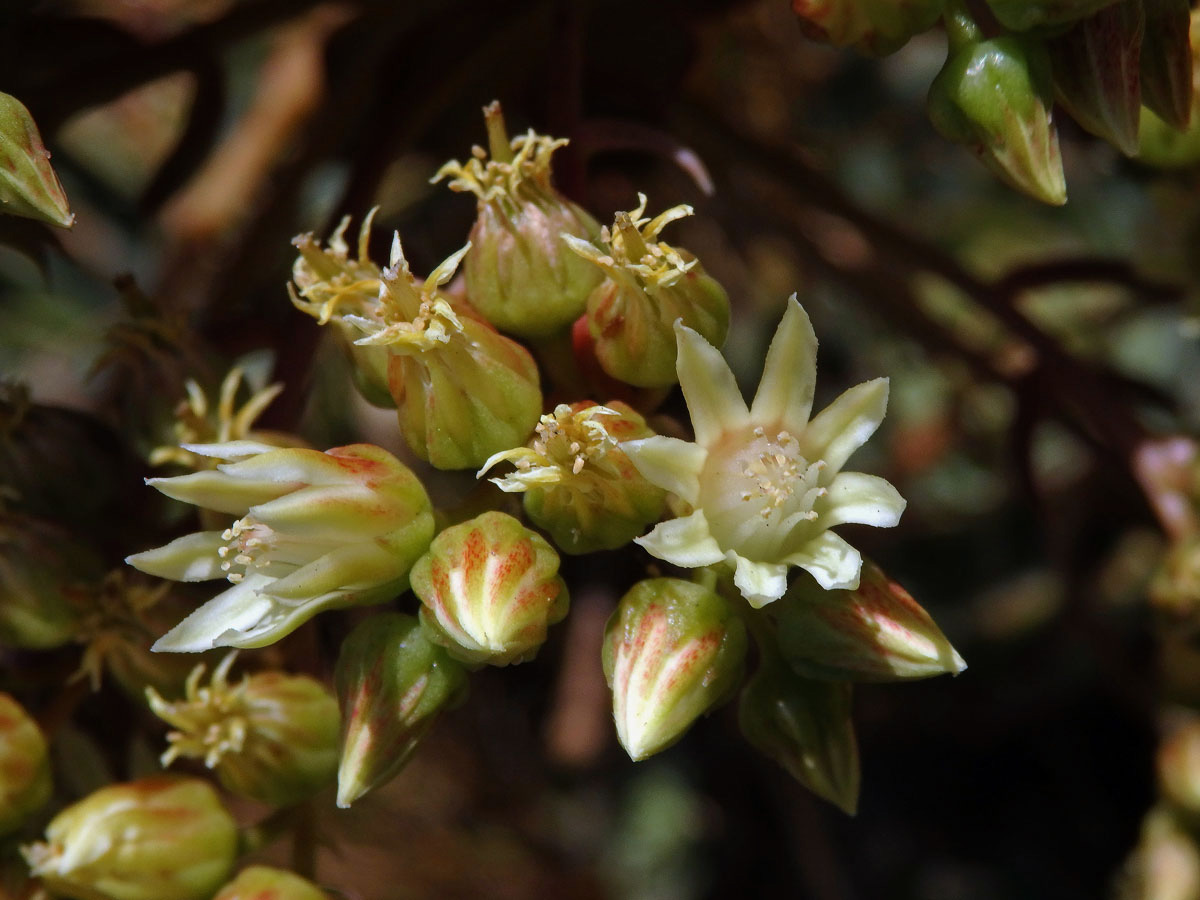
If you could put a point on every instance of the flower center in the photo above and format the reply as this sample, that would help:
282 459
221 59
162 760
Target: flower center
247 545
570 440
757 489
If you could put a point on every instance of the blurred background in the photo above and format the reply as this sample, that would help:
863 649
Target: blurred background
1044 373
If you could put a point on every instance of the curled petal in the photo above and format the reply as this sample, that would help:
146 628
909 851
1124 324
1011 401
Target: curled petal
218 491
862 500
192 557
830 560
760 583
684 542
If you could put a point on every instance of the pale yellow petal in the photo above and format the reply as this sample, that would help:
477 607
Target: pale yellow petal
670 463
785 393
712 394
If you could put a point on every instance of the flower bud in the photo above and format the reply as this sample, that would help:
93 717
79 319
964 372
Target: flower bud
1167 61
330 286
392 684
40 566
876 632
1021 15
805 726
265 883
316 531
1166 863
578 484
995 96
24 766
489 590
28 185
463 390
648 285
1162 144
1175 588
272 737
877 27
1097 73
672 651
1178 765
158 838
518 273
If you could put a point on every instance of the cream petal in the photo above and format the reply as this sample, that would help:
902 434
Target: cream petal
846 423
712 394
670 463
785 393
293 466
683 542
193 557
830 560
240 608
217 491
760 583
354 568
231 449
861 499
340 512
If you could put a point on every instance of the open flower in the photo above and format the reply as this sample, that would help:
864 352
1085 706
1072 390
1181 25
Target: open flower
317 531
765 483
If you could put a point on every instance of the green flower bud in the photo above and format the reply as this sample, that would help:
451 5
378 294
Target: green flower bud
316 531
518 273
672 651
392 684
265 883
876 632
995 96
463 390
648 285
1178 765
28 185
330 286
24 766
1162 144
877 27
490 589
40 567
1097 73
157 838
1021 15
805 726
1167 61
272 737
578 484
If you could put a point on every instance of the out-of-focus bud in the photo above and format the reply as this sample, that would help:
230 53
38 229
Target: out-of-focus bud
578 484
330 286
392 684
24 765
673 650
40 565
648 285
272 737
199 421
463 390
1178 767
265 883
28 185
1175 589
1167 61
1021 15
316 531
877 27
1097 73
805 726
518 273
876 632
157 838
489 590
1162 144
995 96
1166 863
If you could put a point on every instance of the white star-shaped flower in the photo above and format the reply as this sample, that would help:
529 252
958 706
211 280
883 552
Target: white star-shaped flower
766 484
